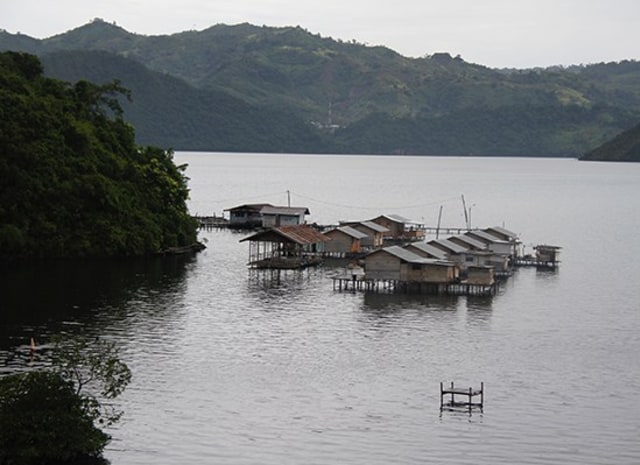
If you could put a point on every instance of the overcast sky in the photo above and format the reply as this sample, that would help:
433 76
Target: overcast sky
495 33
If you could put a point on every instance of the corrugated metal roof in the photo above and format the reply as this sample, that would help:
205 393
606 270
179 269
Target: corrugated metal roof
367 224
275 210
451 246
503 231
398 219
374 226
249 206
485 236
410 257
349 231
300 234
428 248
469 241
405 255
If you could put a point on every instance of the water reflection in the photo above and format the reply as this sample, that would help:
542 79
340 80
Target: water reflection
266 280
479 309
381 303
46 298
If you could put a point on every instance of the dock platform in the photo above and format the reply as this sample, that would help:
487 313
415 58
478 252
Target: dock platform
470 393
391 286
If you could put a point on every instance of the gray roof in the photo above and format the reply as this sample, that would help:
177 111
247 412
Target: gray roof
349 231
469 241
399 219
451 246
291 211
485 236
428 249
502 231
406 255
373 226
254 207
410 257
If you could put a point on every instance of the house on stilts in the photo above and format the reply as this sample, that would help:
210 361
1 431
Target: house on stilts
286 247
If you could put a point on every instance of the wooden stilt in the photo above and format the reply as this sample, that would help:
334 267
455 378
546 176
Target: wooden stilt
469 393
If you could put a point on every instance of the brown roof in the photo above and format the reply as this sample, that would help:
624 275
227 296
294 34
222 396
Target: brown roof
299 234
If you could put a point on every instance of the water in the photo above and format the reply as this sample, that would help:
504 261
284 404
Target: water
241 367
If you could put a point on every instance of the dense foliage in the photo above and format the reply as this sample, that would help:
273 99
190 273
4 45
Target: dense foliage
624 147
53 415
168 112
250 88
74 183
543 130
43 420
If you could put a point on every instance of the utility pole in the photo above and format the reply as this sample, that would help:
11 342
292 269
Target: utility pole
466 217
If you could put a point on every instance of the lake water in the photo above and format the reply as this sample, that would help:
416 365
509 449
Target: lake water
233 366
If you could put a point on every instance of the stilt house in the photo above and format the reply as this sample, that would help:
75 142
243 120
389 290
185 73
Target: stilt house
264 215
375 233
400 228
426 250
398 264
285 247
345 240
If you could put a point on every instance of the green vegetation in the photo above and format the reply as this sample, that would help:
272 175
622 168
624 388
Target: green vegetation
74 183
250 88
168 112
51 415
623 147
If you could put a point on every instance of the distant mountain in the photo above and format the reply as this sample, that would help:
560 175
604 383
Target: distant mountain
623 147
365 99
170 113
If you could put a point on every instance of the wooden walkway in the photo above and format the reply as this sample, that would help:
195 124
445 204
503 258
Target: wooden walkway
211 222
469 394
524 261
448 231
393 286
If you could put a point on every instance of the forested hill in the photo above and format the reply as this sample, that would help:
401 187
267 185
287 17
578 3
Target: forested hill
624 147
74 183
168 112
359 98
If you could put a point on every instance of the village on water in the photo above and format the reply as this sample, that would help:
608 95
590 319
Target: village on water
387 253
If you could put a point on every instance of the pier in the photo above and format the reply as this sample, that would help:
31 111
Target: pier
360 283
439 230
546 256
469 394
211 222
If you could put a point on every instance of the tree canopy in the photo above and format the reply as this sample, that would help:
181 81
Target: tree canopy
74 182
52 415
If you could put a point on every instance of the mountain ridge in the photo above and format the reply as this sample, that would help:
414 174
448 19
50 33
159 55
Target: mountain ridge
340 86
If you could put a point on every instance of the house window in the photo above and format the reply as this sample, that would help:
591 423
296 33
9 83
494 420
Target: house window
415 267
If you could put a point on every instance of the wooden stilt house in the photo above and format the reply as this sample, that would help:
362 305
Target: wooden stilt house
286 247
345 241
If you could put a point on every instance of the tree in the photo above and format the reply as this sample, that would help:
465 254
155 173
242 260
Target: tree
74 182
50 415
94 369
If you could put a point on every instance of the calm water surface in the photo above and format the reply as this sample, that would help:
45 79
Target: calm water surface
233 366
